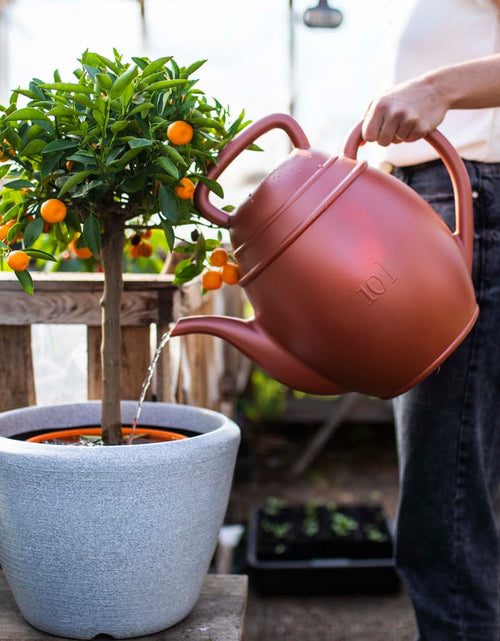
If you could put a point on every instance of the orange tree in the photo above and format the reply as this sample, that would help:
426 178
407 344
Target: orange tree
89 162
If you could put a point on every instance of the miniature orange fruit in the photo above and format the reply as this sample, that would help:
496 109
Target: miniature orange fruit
69 165
219 257
145 249
18 260
10 151
79 252
134 251
185 190
230 274
142 249
211 279
53 210
180 132
4 229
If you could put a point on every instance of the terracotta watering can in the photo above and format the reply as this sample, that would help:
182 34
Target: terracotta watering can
355 282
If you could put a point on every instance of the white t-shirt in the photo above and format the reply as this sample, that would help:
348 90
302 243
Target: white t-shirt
439 33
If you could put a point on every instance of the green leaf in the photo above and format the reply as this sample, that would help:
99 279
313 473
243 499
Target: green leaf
33 230
142 63
27 113
144 106
27 93
26 281
213 185
58 145
155 65
49 163
122 82
14 231
99 117
169 233
169 204
167 165
19 184
174 154
92 234
113 154
81 99
74 180
67 87
33 148
165 84
72 221
185 271
103 81
60 110
87 158
134 184
118 126
139 142
193 67
38 253
127 156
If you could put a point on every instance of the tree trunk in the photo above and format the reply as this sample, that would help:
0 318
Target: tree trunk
112 257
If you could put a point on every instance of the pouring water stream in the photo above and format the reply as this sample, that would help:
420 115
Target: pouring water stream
147 382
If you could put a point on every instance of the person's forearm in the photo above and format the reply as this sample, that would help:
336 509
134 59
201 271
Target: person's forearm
470 85
413 109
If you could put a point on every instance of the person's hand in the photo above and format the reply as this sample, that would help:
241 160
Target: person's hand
408 112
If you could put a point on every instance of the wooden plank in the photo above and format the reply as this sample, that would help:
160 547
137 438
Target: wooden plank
57 281
146 299
218 615
73 307
17 385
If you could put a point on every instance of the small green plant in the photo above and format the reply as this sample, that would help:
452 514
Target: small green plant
342 524
274 505
374 534
278 530
310 526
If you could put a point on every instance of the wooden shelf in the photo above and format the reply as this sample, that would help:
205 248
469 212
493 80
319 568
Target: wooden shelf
218 615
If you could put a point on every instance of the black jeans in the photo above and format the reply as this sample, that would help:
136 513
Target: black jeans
448 428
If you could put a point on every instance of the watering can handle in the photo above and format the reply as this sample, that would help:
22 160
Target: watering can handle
459 177
233 149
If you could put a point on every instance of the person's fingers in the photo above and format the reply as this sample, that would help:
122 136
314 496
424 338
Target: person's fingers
372 123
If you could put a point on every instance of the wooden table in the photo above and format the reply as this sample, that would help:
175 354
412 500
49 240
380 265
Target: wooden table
218 615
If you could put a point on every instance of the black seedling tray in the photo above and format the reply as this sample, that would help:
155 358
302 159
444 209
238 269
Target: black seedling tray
320 548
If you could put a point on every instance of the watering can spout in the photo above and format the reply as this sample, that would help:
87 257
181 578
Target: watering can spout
249 338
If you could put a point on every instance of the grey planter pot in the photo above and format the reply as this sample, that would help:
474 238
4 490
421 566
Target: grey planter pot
113 540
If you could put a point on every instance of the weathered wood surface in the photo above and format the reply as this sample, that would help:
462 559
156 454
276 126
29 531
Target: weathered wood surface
17 384
75 298
219 615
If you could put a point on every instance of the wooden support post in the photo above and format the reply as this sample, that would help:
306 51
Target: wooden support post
17 385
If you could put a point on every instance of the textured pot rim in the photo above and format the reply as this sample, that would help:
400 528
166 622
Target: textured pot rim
212 427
